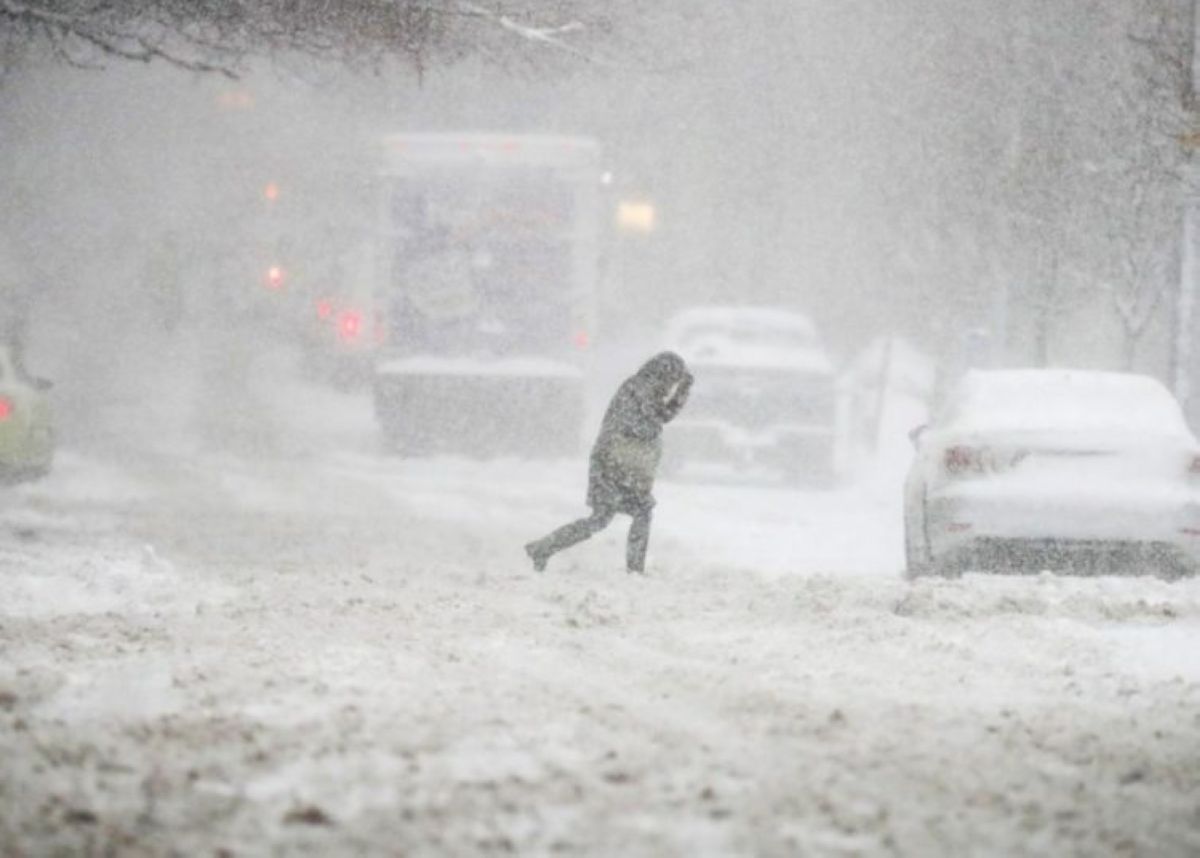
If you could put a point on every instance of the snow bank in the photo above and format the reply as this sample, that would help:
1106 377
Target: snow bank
1116 599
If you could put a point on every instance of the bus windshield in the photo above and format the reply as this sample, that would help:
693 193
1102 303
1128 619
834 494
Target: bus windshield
480 261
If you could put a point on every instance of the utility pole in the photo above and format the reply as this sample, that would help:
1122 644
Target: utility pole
1189 267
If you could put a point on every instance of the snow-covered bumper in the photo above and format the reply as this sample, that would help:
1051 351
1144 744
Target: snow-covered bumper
999 527
506 406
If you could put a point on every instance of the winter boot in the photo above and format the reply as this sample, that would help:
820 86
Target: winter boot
537 555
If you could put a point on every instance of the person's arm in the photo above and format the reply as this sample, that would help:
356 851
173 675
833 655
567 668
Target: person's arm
645 413
678 398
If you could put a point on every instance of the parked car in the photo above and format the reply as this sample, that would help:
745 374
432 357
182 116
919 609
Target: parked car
26 430
1076 471
764 395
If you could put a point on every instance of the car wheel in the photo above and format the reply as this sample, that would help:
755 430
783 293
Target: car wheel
949 567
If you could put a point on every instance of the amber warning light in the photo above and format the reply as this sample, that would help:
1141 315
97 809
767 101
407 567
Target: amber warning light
636 217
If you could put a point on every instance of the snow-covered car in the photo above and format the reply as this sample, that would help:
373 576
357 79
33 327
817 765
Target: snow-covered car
1066 470
764 394
26 430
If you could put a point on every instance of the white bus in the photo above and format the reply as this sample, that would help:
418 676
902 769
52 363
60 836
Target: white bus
486 268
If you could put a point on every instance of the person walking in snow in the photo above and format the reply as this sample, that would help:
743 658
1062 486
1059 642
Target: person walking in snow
624 460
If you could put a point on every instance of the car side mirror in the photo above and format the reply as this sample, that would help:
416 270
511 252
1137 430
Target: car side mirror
917 433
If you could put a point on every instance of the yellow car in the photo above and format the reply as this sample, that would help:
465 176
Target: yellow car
26 428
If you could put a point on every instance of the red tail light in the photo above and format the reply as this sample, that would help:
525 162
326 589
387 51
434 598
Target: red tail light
6 408
963 460
275 276
349 325
582 340
960 461
324 309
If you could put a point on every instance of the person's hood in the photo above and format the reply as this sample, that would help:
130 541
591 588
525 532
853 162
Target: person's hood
665 368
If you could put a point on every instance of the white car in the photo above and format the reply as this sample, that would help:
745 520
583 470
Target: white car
1078 471
764 396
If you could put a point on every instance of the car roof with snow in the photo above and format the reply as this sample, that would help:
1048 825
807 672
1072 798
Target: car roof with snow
1020 400
748 336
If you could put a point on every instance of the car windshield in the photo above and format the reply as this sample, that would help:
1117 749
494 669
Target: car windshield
1036 401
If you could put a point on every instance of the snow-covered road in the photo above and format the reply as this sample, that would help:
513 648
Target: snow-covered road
336 653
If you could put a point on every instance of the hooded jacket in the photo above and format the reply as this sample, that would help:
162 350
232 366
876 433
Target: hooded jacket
626 453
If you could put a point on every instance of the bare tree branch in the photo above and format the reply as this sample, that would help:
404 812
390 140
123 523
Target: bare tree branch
218 35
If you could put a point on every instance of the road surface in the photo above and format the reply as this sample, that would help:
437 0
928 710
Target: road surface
325 651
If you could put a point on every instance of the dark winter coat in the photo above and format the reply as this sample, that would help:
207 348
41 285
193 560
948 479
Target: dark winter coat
626 453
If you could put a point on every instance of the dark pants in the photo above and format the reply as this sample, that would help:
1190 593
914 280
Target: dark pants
578 531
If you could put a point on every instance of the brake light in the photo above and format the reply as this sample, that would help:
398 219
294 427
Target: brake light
349 325
324 309
959 461
6 408
963 460
582 340
275 275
